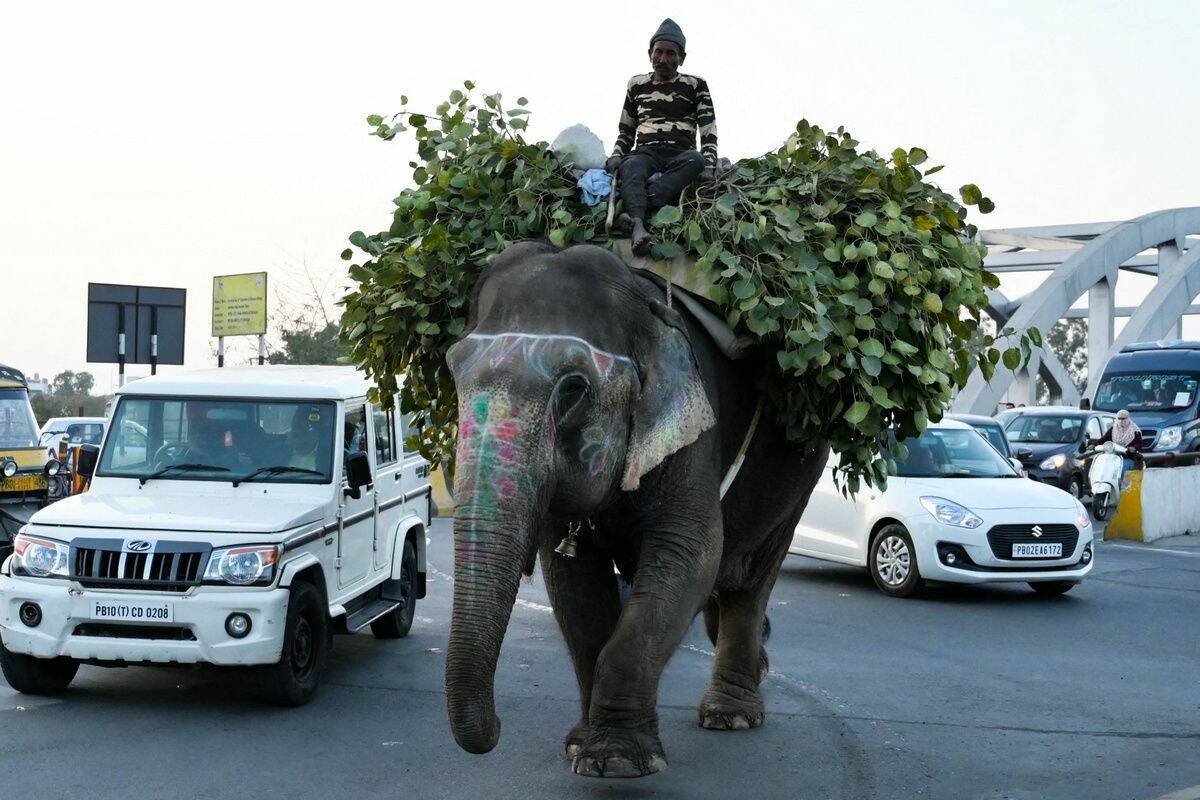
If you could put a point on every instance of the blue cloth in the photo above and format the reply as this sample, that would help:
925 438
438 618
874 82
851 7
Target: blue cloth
596 185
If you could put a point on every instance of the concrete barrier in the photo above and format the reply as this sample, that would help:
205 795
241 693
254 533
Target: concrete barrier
441 493
1157 503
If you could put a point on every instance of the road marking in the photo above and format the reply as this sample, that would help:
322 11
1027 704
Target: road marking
1192 793
1145 549
520 602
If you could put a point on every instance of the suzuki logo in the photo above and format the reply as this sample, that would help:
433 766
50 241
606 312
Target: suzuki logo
1037 531
138 546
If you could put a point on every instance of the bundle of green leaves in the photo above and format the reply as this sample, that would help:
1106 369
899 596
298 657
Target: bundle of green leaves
860 275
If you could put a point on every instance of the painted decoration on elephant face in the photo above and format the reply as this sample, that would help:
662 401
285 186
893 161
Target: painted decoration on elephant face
535 350
489 461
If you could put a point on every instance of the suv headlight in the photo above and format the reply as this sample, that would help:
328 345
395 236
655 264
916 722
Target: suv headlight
244 565
1054 462
40 558
1169 437
950 513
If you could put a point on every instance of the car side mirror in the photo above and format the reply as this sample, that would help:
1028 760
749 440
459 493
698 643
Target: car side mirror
1017 465
1024 452
358 474
85 462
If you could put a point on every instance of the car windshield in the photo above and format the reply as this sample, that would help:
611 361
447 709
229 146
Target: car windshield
220 440
18 428
1045 429
995 437
952 453
1146 391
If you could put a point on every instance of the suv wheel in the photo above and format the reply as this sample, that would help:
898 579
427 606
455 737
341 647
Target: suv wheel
293 680
30 675
396 623
893 562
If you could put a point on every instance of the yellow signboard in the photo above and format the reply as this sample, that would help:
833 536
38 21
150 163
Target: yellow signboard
239 304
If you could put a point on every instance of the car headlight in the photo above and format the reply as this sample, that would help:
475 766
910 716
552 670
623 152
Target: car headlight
1054 462
1169 437
1084 519
40 558
9 469
950 513
243 565
52 467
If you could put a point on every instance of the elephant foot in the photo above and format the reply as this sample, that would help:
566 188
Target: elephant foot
721 712
576 739
618 753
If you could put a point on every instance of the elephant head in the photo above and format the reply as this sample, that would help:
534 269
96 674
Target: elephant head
573 382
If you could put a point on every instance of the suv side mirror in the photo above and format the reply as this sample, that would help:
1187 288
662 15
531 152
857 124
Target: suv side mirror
85 464
358 473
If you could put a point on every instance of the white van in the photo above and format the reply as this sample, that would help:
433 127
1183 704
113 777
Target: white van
236 516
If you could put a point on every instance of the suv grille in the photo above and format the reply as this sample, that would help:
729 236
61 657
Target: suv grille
170 567
1002 538
1148 437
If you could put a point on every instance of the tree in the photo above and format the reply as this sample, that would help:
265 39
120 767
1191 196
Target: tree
84 382
63 383
305 343
1068 341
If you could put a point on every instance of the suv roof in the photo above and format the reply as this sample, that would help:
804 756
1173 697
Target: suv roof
282 382
1163 344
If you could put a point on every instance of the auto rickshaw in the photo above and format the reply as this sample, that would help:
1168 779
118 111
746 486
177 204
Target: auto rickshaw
29 475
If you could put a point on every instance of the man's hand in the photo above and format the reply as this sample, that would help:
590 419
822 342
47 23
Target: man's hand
612 164
710 174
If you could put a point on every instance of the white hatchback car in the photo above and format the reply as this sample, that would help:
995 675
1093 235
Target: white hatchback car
956 511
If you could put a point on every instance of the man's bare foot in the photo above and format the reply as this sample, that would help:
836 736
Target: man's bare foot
641 238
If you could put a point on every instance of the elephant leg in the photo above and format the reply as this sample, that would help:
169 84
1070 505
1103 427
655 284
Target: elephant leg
675 573
583 592
733 700
712 618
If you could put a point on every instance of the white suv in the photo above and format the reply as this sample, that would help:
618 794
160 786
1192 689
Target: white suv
235 517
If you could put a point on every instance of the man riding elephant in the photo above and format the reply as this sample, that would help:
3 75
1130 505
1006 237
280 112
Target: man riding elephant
663 112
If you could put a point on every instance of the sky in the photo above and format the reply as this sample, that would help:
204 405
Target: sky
165 143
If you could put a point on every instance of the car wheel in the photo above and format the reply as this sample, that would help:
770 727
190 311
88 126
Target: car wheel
293 680
1075 487
1052 587
893 562
29 675
396 623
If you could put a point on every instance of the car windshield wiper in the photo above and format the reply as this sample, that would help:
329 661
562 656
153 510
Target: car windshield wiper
275 470
187 467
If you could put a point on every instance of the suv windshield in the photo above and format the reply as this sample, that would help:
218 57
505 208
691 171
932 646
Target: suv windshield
220 440
1147 391
17 425
952 453
1045 429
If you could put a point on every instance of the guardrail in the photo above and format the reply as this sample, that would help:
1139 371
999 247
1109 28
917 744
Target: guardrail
1171 460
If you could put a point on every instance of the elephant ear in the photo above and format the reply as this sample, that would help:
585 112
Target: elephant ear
672 409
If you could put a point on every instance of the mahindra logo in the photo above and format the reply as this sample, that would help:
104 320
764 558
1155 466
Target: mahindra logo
138 546
1037 531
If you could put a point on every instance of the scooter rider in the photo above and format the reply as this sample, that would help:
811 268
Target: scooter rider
1124 432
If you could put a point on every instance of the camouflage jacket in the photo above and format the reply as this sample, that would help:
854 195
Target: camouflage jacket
668 114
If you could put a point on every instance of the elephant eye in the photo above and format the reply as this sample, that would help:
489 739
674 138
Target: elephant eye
570 399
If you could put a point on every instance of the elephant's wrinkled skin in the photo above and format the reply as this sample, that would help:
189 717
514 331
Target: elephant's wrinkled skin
582 396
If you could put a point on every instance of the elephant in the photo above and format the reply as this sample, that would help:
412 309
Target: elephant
594 417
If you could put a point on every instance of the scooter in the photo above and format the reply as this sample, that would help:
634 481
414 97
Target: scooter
1108 465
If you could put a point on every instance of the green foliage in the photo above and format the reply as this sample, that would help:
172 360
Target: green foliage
856 271
309 344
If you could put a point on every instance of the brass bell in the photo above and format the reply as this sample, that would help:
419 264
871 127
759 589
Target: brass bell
566 548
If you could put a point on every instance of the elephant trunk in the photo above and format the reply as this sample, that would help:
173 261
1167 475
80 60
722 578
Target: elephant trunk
488 549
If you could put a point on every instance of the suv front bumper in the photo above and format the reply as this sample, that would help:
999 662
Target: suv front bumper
199 614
